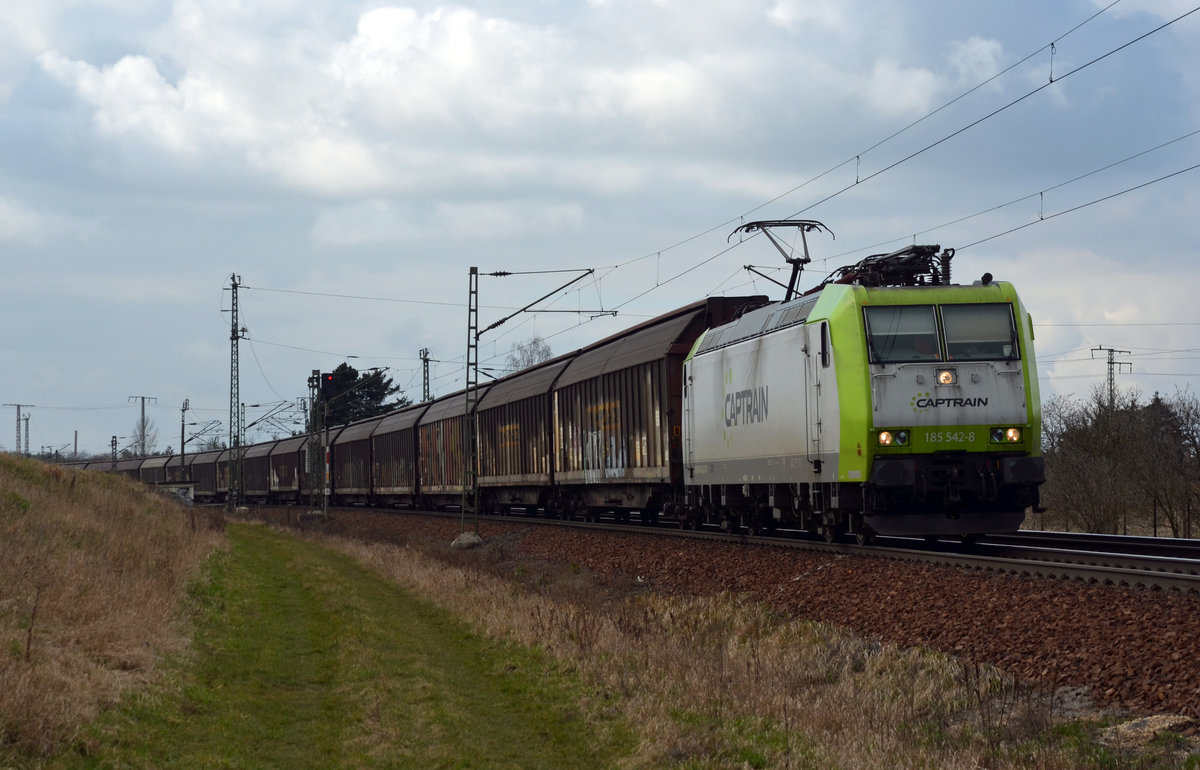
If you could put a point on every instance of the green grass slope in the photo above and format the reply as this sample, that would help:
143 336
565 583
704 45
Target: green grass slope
303 658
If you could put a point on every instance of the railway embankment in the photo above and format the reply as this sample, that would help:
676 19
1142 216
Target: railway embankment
94 573
278 651
1094 649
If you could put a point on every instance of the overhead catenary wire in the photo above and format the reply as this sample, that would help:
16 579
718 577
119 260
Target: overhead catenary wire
1028 196
1081 206
914 154
857 156
999 110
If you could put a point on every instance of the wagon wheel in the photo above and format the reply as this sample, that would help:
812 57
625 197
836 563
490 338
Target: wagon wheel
864 536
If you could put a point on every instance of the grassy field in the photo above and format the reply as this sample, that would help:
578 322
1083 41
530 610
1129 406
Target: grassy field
306 659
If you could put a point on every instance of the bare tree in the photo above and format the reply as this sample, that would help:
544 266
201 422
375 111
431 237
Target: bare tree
525 354
145 436
1122 465
212 442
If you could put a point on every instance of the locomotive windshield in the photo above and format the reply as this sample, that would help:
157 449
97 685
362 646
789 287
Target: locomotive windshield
907 333
902 333
979 332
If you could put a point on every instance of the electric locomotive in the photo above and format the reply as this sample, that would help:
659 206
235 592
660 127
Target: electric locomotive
884 401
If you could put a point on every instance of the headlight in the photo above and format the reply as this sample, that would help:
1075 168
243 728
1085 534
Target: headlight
946 377
1006 435
893 438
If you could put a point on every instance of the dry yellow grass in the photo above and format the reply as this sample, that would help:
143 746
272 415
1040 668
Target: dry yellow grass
721 682
93 569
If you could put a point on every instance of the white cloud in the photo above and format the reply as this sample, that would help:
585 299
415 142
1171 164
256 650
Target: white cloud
450 66
399 99
369 221
23 29
897 91
381 221
324 163
19 222
496 220
1163 9
23 223
799 13
130 97
976 59
1084 299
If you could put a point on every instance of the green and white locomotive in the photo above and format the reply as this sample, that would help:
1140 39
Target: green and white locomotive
885 401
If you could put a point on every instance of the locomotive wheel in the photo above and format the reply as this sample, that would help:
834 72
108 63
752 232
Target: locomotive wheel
828 532
864 536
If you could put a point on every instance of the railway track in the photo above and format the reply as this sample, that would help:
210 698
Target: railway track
1154 563
1170 565
1091 560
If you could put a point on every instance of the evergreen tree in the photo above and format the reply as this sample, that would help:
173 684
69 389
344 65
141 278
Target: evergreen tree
356 396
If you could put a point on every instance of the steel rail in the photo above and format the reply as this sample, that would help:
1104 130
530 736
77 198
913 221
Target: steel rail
1116 544
1098 567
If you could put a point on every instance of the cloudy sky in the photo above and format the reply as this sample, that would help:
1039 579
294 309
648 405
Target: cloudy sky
350 161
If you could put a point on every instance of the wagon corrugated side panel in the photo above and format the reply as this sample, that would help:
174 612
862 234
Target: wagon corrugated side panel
352 461
288 469
440 444
617 407
516 439
394 448
256 470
